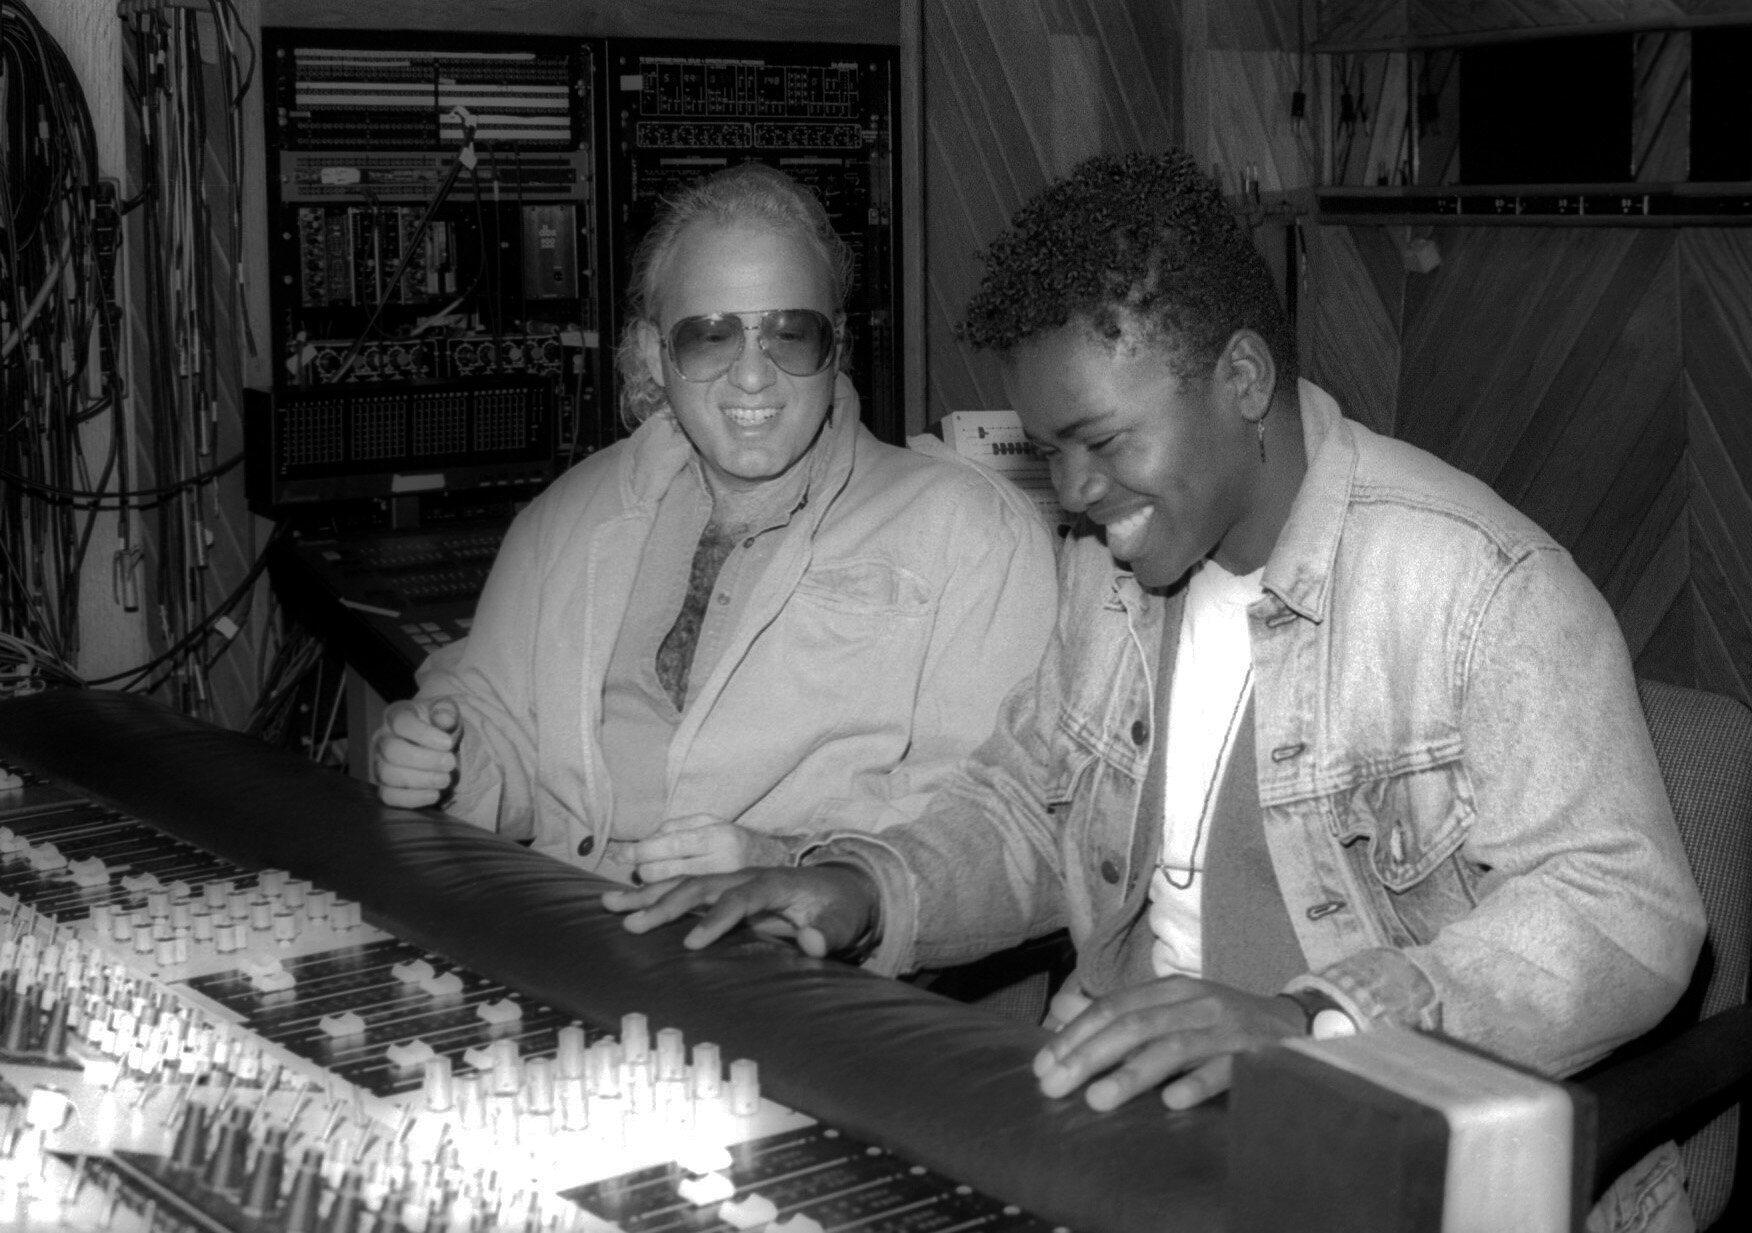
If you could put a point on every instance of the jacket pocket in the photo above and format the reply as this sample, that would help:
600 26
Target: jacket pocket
869 587
1402 835
1099 810
842 660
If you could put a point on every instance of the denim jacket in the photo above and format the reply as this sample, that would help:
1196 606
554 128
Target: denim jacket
1458 789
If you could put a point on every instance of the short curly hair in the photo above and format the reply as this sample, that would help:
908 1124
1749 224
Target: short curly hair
747 193
1149 237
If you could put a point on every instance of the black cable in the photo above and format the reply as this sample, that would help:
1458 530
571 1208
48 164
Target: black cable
465 156
199 631
48 156
141 498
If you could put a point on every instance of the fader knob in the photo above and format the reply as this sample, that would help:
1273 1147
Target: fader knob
671 1054
744 1087
569 1056
437 1085
708 1071
538 1085
635 1036
285 926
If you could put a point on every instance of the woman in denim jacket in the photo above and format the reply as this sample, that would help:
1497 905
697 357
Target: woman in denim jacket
1431 798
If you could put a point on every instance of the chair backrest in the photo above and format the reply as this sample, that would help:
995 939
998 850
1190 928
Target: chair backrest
1703 742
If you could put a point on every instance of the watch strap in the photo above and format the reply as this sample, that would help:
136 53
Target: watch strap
1314 1004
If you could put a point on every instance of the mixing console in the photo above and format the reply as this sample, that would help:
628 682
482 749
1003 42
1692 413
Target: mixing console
193 1045
237 993
388 598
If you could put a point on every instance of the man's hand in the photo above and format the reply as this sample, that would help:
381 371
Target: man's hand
1174 1028
413 754
699 844
822 908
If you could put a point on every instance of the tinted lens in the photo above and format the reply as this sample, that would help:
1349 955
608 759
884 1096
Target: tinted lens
703 347
798 340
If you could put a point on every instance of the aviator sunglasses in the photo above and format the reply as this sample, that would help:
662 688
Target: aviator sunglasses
800 341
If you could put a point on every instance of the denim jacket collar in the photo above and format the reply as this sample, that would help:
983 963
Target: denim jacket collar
1299 570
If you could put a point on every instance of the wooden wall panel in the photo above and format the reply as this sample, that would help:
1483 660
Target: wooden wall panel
1670 654
1662 584
1380 22
1601 380
1361 21
1016 91
1546 362
1490 330
1241 63
1716 310
1661 538
1661 108
1630 516
1439 18
1349 328
1621 368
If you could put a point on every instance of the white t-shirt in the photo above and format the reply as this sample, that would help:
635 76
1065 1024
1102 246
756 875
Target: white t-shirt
1213 676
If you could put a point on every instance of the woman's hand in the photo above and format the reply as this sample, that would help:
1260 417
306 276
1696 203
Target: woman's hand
822 908
700 844
1175 1028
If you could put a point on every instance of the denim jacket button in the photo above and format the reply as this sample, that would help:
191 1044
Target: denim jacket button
587 845
1140 732
1110 872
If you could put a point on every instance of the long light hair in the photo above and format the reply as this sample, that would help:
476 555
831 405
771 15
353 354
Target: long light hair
748 193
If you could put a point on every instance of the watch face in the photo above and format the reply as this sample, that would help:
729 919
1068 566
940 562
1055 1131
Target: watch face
1331 1022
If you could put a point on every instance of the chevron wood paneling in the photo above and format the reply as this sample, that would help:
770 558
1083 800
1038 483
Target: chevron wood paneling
1599 379
1661 108
1363 22
1018 91
1241 69
1716 305
1438 18
1350 326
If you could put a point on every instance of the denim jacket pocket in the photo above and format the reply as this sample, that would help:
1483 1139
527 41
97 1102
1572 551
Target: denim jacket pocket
1097 813
1402 834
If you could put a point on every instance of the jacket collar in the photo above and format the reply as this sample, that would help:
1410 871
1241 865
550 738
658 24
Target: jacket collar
1299 570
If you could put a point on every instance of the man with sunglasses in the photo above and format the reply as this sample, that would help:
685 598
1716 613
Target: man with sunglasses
749 621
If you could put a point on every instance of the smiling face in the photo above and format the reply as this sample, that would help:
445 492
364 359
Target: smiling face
1169 465
755 421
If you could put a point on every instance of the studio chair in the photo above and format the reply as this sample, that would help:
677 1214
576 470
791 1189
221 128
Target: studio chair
1685 1080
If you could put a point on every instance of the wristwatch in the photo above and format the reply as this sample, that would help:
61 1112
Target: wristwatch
1326 1018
